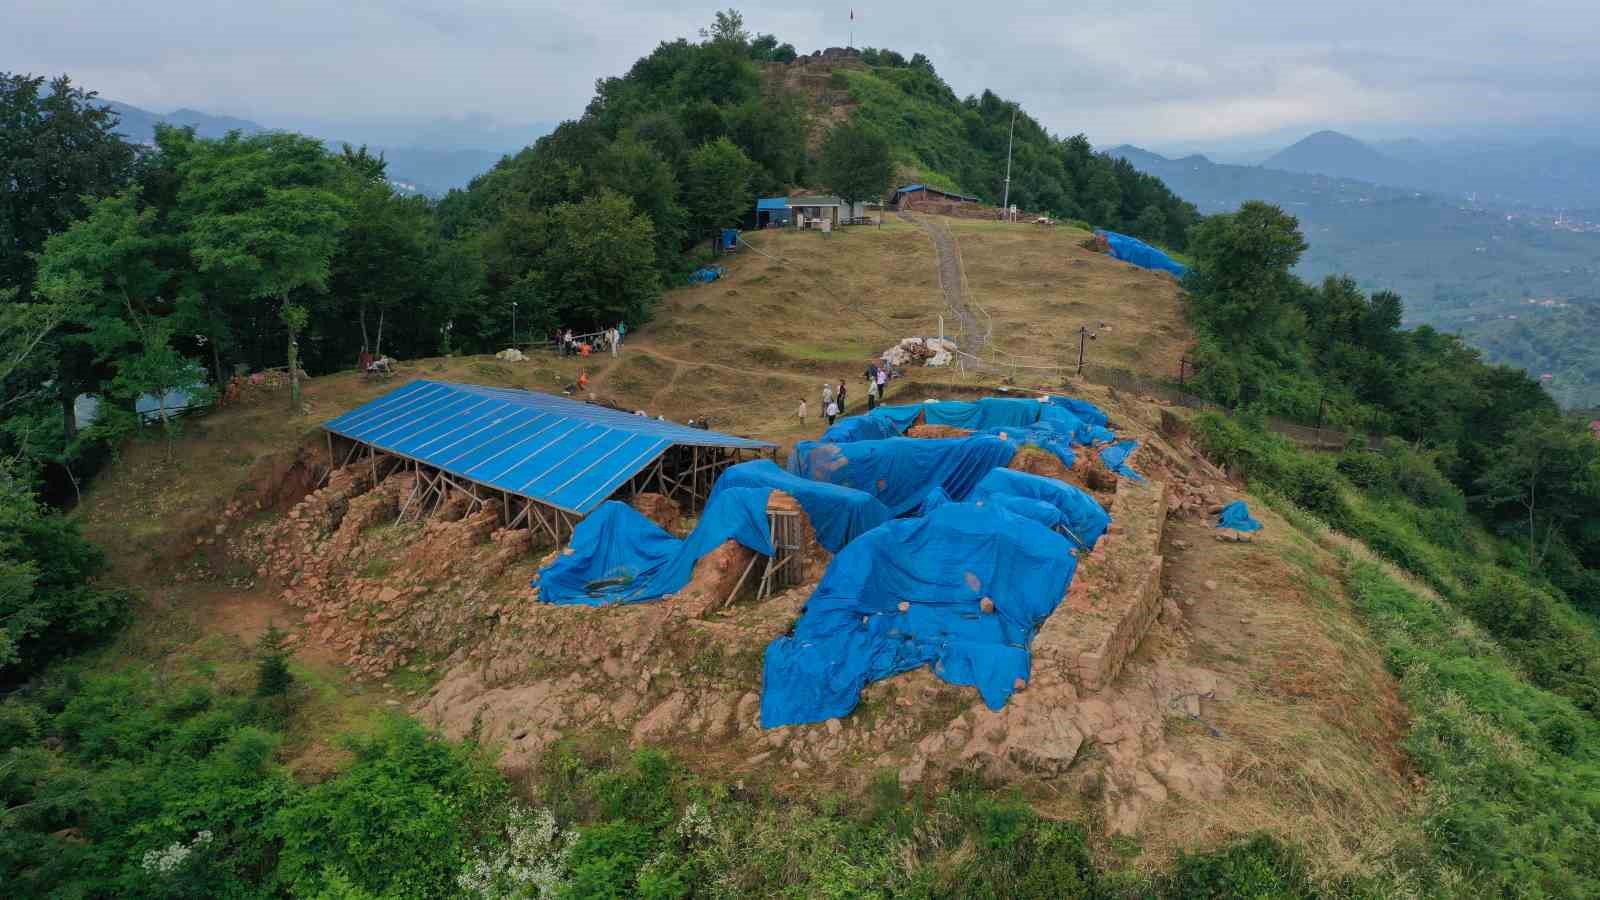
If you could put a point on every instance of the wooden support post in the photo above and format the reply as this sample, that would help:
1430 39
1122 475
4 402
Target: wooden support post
746 574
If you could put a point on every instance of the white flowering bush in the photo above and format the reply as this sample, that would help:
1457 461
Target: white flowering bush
172 857
532 864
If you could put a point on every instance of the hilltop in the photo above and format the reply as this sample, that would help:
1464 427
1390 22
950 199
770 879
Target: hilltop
299 668
478 655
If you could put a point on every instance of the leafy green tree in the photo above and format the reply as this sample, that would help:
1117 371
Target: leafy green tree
1544 479
397 822
717 188
159 371
48 605
58 150
106 272
264 215
633 169
1241 280
727 28
57 147
593 262
856 163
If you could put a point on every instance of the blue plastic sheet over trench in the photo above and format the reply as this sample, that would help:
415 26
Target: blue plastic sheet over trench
1052 503
1132 250
942 565
1116 459
619 556
838 514
1236 515
899 471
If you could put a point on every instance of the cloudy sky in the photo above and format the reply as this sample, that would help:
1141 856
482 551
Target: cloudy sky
1204 74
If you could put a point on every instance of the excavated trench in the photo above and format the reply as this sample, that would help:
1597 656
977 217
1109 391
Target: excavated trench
450 596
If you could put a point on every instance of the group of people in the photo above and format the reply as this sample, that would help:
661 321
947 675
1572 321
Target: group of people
833 398
611 338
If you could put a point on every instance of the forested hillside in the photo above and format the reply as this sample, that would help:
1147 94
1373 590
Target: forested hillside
960 143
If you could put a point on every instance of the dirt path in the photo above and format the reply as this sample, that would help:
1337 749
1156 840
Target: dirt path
972 337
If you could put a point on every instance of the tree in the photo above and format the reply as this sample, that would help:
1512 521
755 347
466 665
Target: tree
160 371
592 263
264 215
1241 278
1544 478
727 28
48 605
57 146
856 163
717 185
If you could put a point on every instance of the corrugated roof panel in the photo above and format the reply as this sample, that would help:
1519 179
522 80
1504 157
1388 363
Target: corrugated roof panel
558 451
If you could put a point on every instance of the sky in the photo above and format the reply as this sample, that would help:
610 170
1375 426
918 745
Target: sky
1172 76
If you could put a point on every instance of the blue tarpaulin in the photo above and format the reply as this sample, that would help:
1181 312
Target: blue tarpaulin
1132 250
1236 515
941 565
1059 506
619 556
899 471
870 427
706 274
838 514
1083 421
1116 459
1081 409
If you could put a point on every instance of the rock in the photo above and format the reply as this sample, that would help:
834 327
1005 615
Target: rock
1211 585
911 772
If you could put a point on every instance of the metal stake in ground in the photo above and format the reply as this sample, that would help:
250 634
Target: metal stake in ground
1084 335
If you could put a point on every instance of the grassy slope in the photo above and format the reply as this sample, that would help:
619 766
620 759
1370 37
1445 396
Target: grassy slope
743 351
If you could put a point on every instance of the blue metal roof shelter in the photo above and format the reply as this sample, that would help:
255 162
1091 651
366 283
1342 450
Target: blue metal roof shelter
555 451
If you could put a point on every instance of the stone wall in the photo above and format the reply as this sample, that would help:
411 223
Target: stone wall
1115 595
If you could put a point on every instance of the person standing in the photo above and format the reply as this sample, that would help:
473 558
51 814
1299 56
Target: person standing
833 412
802 412
622 331
872 396
882 379
839 396
613 337
827 397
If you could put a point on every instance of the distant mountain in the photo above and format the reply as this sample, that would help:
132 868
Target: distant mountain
426 169
1460 267
1342 156
139 125
1555 174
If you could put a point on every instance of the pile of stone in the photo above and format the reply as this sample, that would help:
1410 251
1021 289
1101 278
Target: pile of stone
927 351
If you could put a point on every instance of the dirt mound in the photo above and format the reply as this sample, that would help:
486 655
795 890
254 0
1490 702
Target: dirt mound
660 509
1035 461
936 431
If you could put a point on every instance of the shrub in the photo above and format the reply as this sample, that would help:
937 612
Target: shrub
399 821
1366 470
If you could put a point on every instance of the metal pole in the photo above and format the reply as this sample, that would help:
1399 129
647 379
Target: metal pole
1005 203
